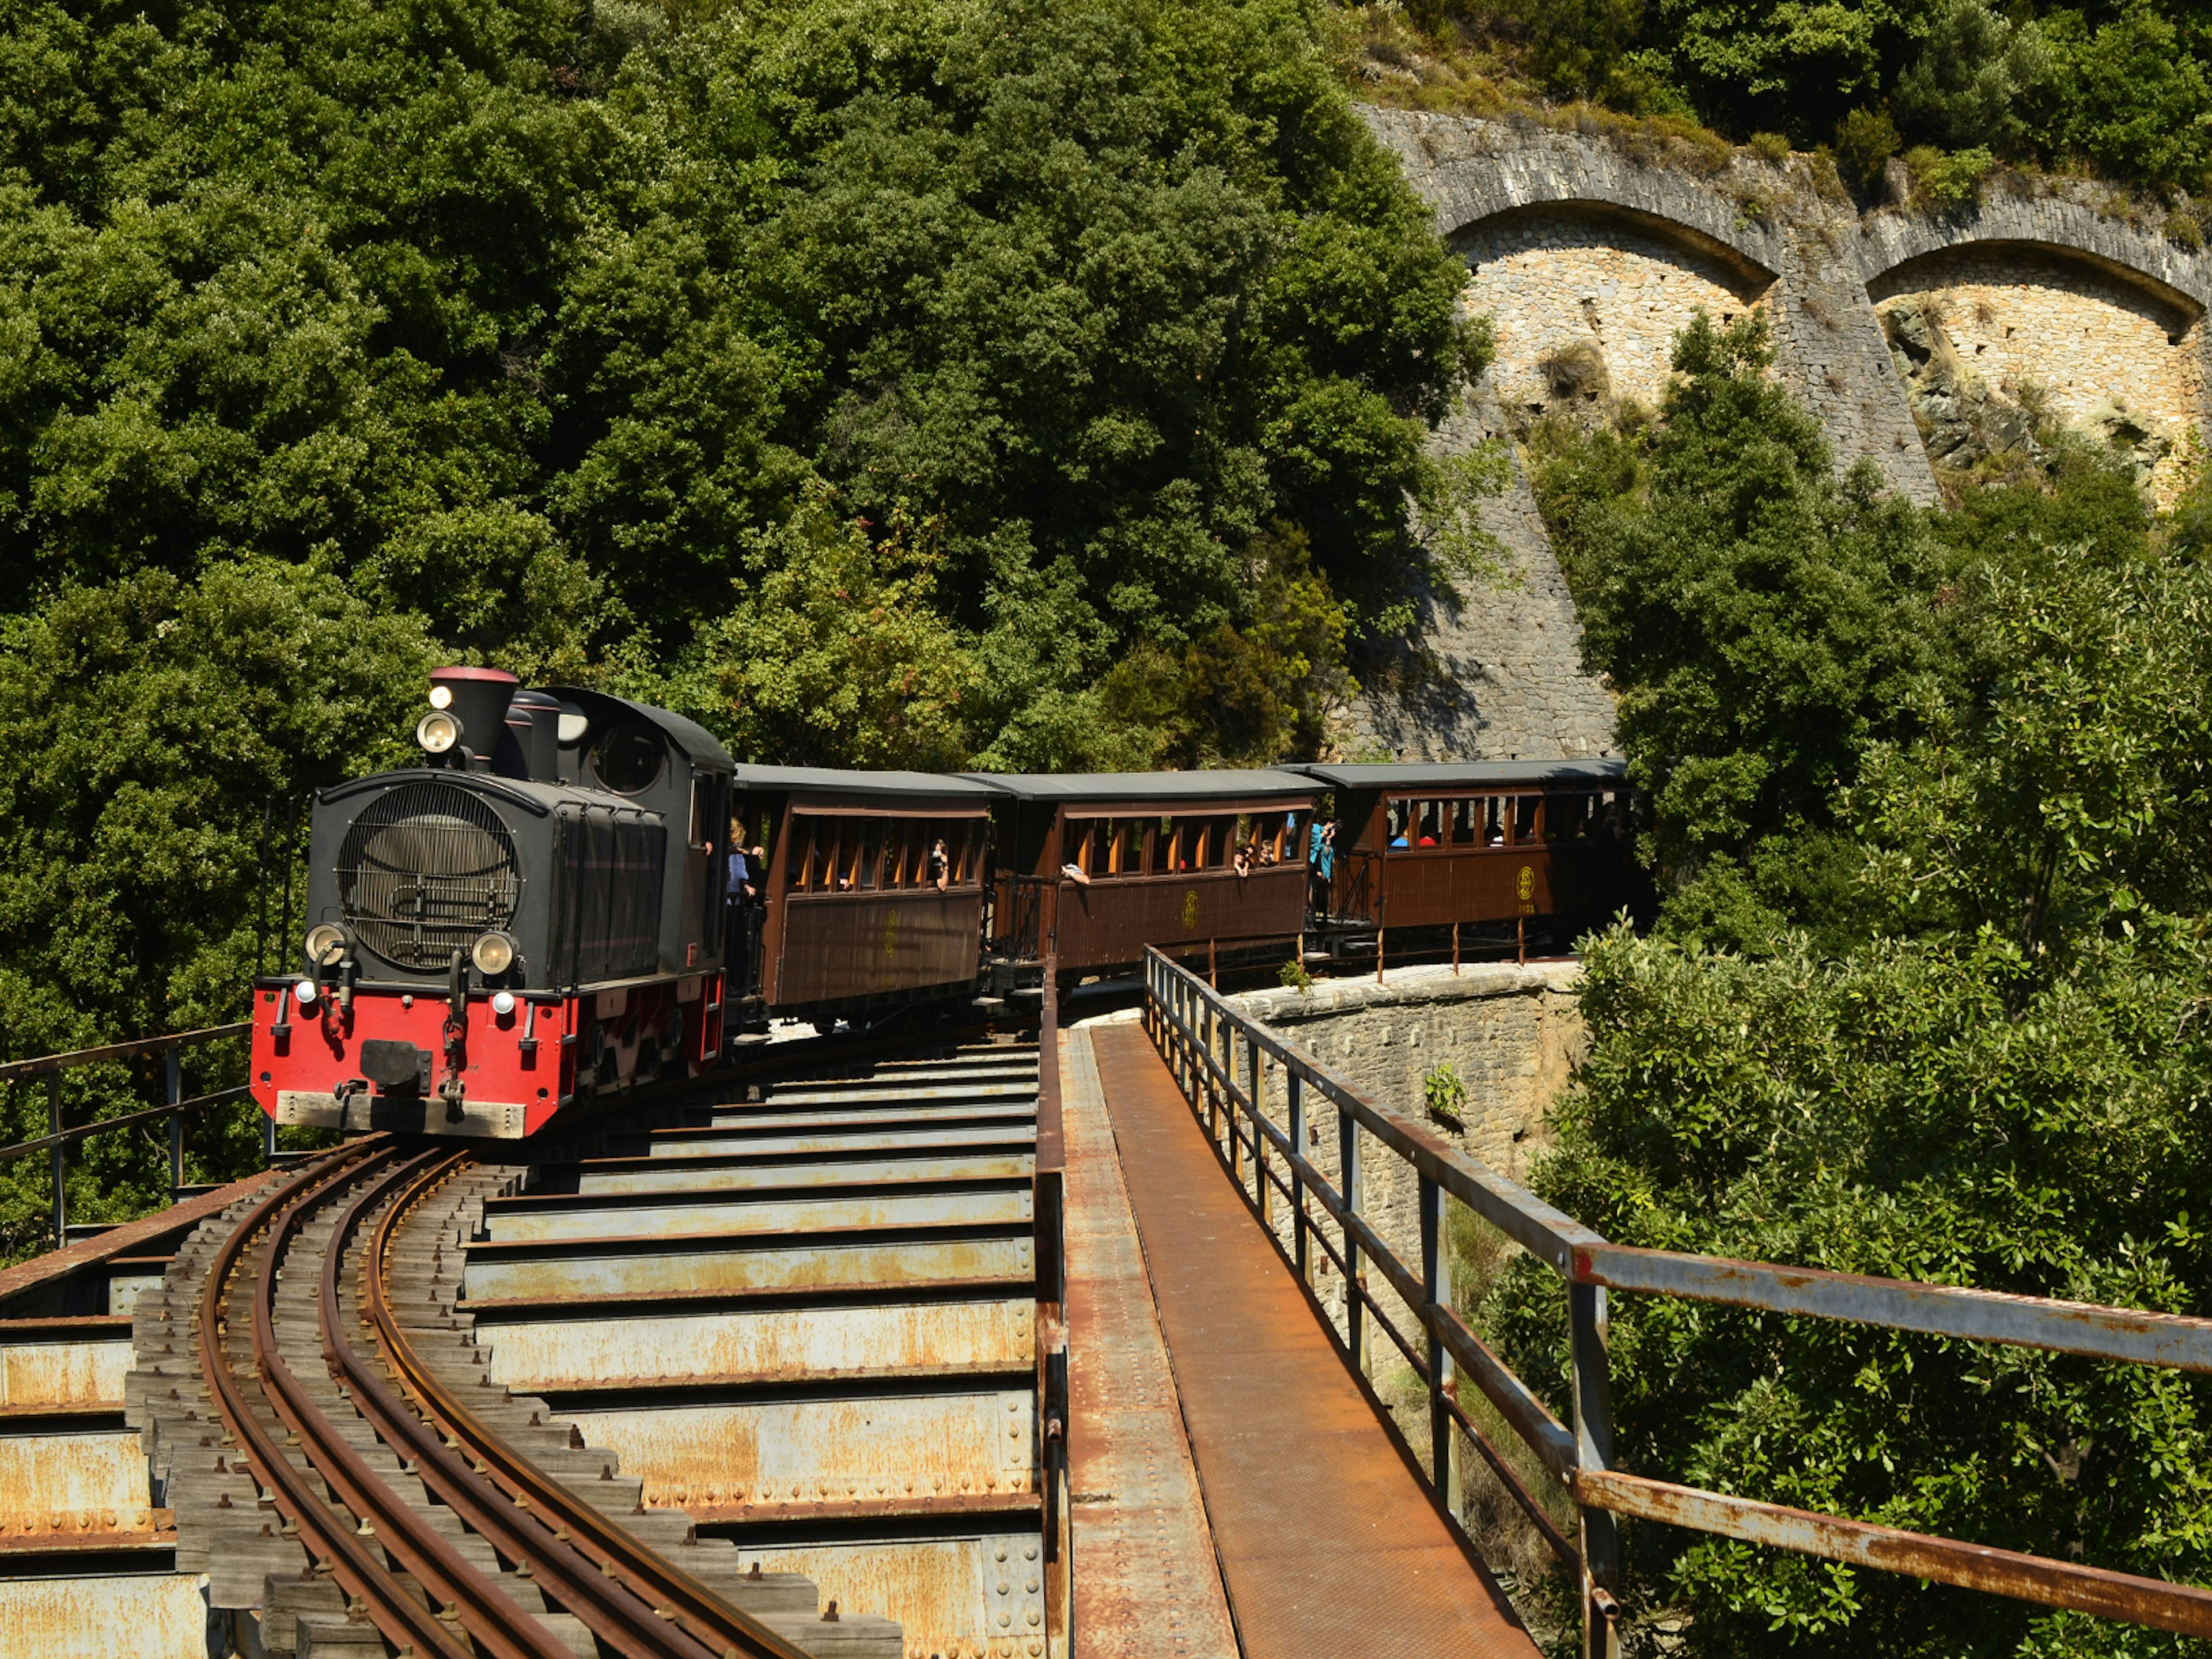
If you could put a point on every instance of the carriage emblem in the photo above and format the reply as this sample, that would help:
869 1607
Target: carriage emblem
1526 887
1190 910
890 932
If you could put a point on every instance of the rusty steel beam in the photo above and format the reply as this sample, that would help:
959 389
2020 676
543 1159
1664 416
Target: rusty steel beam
23 1068
2124 1335
2186 1608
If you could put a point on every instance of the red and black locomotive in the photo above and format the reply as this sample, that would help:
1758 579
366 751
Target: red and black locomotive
543 911
533 915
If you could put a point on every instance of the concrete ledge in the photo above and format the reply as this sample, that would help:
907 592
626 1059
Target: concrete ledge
1410 988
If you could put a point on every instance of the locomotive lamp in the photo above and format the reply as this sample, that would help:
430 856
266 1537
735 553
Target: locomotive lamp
493 954
305 990
438 731
441 697
325 943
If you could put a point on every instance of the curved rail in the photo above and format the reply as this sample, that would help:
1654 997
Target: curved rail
632 1600
630 1595
357 1564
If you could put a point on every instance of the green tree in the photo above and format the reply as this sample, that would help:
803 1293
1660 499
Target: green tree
1761 619
149 723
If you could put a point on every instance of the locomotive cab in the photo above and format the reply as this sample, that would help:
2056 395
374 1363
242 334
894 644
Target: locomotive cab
532 916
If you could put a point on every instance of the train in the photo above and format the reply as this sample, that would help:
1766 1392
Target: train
542 912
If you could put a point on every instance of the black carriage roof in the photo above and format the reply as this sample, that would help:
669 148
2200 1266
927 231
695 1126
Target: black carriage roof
1409 775
698 745
1148 787
825 780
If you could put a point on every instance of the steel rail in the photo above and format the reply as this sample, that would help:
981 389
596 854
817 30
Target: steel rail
472 1600
629 1594
358 1567
613 1612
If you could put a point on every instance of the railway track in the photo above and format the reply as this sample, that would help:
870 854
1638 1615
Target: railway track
753 1370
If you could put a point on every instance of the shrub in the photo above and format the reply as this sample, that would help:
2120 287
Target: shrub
1865 140
1771 148
1444 1091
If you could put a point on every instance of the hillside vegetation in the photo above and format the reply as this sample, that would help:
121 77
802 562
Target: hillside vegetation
2122 91
1930 796
933 382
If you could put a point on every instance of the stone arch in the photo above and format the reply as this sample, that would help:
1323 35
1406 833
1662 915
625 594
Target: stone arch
1987 330
1586 296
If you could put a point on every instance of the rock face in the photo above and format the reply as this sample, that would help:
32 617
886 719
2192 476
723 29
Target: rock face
1940 347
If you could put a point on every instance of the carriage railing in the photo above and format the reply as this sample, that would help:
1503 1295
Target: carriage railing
175 1108
1014 925
1204 1038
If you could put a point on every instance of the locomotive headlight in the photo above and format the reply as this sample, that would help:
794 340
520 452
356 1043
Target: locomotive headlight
437 730
305 990
493 954
441 697
326 943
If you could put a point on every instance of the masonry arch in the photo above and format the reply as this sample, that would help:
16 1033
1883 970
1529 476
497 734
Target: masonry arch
1979 327
1587 297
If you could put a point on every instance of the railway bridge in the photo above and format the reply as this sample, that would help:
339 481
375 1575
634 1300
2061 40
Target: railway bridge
1041 1340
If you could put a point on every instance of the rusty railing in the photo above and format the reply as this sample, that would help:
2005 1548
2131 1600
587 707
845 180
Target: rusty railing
1203 1038
175 1108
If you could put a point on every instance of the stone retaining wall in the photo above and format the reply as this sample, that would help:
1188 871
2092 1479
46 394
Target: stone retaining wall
1588 257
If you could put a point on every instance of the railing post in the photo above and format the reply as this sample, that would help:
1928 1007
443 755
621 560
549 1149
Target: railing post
1355 1315
1294 1085
1436 1287
1600 1541
61 1156
1229 1102
1260 1183
175 1092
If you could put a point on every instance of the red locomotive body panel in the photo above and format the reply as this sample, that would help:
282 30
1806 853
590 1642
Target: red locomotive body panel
516 1070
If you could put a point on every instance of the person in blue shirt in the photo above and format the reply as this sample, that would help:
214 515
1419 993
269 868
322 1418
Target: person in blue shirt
1321 864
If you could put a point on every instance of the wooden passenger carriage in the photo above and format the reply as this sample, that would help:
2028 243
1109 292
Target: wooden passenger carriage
1095 866
1421 845
849 913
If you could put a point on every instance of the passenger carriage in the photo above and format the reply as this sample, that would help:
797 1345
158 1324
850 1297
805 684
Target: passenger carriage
1425 846
1093 867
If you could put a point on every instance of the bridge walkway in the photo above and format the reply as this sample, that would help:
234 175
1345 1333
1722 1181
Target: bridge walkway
1325 1538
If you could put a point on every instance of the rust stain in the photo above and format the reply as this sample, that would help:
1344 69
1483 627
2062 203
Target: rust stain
694 1272
639 1177
973 1598
63 1373
74 1483
165 1615
831 1450
791 1342
765 1216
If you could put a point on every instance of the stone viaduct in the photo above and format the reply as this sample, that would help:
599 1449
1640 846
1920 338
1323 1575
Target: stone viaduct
1913 337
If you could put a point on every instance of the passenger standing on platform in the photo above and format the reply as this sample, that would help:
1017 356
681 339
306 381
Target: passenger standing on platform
1321 864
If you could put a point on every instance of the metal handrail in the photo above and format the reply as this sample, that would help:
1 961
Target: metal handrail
1198 1033
175 1109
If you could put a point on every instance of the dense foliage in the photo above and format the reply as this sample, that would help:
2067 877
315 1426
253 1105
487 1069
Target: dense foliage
1013 382
1927 1001
2123 86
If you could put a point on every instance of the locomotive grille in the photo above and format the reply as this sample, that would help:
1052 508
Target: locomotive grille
423 870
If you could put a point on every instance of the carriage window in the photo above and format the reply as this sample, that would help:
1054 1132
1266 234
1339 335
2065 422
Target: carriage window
1528 818
872 855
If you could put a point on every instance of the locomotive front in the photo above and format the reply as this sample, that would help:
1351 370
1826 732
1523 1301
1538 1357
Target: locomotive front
531 917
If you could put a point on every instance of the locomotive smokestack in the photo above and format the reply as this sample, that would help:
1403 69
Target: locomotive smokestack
477 697
534 719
